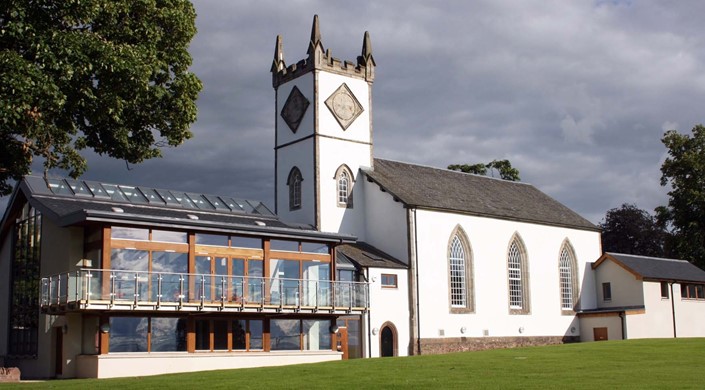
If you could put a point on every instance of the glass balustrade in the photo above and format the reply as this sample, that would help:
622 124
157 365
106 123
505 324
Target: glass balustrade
162 288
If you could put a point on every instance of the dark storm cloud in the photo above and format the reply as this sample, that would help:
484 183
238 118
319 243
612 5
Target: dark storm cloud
575 94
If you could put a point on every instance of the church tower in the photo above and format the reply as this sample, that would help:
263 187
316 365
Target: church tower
323 135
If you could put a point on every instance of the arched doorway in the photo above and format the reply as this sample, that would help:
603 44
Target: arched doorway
388 340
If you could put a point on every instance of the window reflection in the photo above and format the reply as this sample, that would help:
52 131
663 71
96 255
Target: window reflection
284 335
126 285
284 245
314 247
211 239
168 335
126 233
173 265
128 334
316 335
256 334
169 236
246 242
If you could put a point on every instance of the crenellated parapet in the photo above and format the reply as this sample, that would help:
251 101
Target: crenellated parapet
321 59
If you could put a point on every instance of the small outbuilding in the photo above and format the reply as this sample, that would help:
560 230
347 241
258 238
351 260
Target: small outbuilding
645 297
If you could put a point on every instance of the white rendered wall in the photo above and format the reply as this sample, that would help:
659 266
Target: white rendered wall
610 321
61 249
385 221
298 155
690 315
626 289
142 364
284 134
360 129
332 154
656 321
489 240
389 305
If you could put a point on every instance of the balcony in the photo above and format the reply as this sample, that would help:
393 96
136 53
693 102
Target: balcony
116 290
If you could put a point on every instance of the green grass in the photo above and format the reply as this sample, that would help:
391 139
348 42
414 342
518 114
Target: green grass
664 363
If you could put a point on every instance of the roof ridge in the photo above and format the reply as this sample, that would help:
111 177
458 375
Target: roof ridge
457 172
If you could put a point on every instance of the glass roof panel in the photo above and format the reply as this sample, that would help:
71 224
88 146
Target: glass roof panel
234 204
133 194
115 193
262 209
156 197
79 188
200 201
245 205
59 187
184 200
97 189
217 202
168 197
151 195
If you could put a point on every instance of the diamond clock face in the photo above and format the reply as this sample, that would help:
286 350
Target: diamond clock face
294 109
344 106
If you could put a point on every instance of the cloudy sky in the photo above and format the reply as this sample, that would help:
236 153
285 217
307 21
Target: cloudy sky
576 94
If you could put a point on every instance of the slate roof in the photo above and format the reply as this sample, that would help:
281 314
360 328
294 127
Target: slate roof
363 254
655 268
72 210
443 189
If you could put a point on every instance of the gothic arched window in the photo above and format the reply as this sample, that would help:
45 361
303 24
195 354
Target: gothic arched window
568 271
344 185
518 277
294 183
460 273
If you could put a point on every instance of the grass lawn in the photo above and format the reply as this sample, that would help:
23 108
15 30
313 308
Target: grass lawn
664 363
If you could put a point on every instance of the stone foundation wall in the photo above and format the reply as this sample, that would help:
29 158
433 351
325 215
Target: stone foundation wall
461 344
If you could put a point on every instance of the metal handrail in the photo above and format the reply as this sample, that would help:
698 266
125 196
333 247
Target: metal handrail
168 288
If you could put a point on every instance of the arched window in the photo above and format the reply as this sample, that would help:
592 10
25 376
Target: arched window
460 273
568 271
518 277
344 182
294 183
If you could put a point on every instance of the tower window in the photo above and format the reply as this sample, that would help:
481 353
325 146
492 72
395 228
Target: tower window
294 183
344 181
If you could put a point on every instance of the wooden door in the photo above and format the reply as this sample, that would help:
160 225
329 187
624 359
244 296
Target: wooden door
342 341
600 334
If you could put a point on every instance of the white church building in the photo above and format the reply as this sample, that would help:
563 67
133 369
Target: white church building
362 257
487 262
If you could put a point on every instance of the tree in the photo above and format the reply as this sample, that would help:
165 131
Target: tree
684 170
109 75
629 229
503 167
